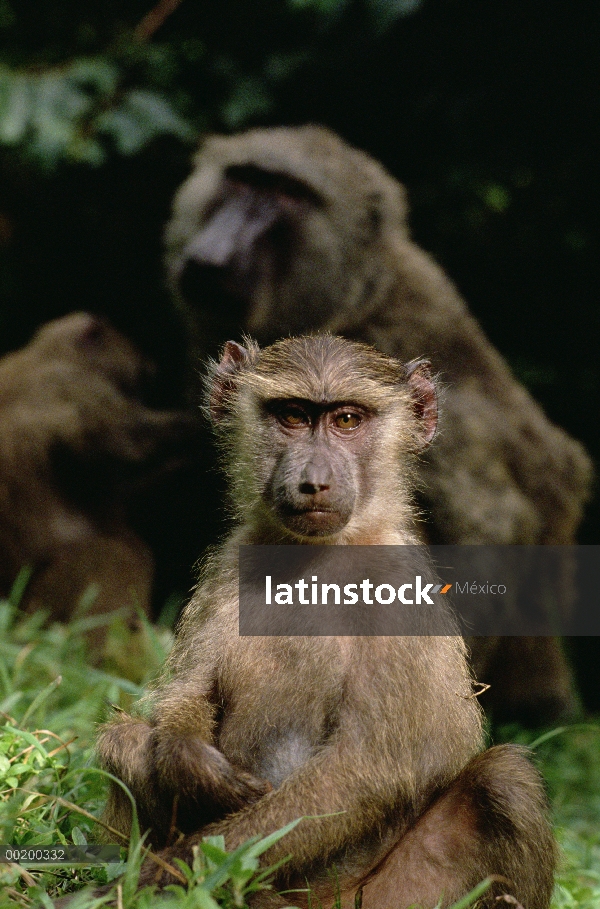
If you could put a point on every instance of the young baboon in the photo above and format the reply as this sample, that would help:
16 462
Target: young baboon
76 441
375 741
281 231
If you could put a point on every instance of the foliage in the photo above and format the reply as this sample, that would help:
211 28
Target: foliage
569 760
58 106
72 113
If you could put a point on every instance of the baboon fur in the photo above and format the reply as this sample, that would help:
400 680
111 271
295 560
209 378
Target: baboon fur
376 742
286 230
76 439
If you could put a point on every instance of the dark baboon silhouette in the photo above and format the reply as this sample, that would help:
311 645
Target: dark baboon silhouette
76 443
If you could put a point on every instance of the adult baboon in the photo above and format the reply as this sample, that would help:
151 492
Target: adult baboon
375 741
282 231
76 442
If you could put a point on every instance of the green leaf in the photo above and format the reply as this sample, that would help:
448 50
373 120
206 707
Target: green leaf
203 900
78 837
95 73
249 98
15 106
128 134
496 197
87 599
262 845
28 736
214 852
87 151
221 874
469 900
21 582
39 700
158 115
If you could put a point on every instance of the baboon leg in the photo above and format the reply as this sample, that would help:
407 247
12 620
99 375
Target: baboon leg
492 821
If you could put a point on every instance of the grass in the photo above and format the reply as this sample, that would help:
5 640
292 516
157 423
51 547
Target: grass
570 762
51 700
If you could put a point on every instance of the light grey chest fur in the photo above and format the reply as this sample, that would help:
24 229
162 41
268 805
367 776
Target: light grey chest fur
284 711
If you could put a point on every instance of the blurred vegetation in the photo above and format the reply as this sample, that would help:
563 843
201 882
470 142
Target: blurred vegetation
485 111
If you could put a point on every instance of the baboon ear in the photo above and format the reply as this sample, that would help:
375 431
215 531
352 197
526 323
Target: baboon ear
424 398
233 360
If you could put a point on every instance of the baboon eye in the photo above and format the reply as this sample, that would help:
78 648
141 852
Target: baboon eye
347 420
293 416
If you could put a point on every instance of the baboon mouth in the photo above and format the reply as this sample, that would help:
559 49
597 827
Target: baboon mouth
312 510
317 510
205 284
314 521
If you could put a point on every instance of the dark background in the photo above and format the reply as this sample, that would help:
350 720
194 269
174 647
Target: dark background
486 111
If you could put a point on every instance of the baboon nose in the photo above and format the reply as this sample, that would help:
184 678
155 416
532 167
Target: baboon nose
310 489
315 478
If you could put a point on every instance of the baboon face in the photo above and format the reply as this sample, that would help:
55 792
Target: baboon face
320 425
278 228
92 342
318 447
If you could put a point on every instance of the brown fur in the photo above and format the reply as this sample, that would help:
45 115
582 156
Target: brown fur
76 439
289 230
374 741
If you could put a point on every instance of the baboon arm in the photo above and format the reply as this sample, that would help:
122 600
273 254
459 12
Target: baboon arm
376 772
330 793
123 748
156 760
343 793
127 745
336 806
183 706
